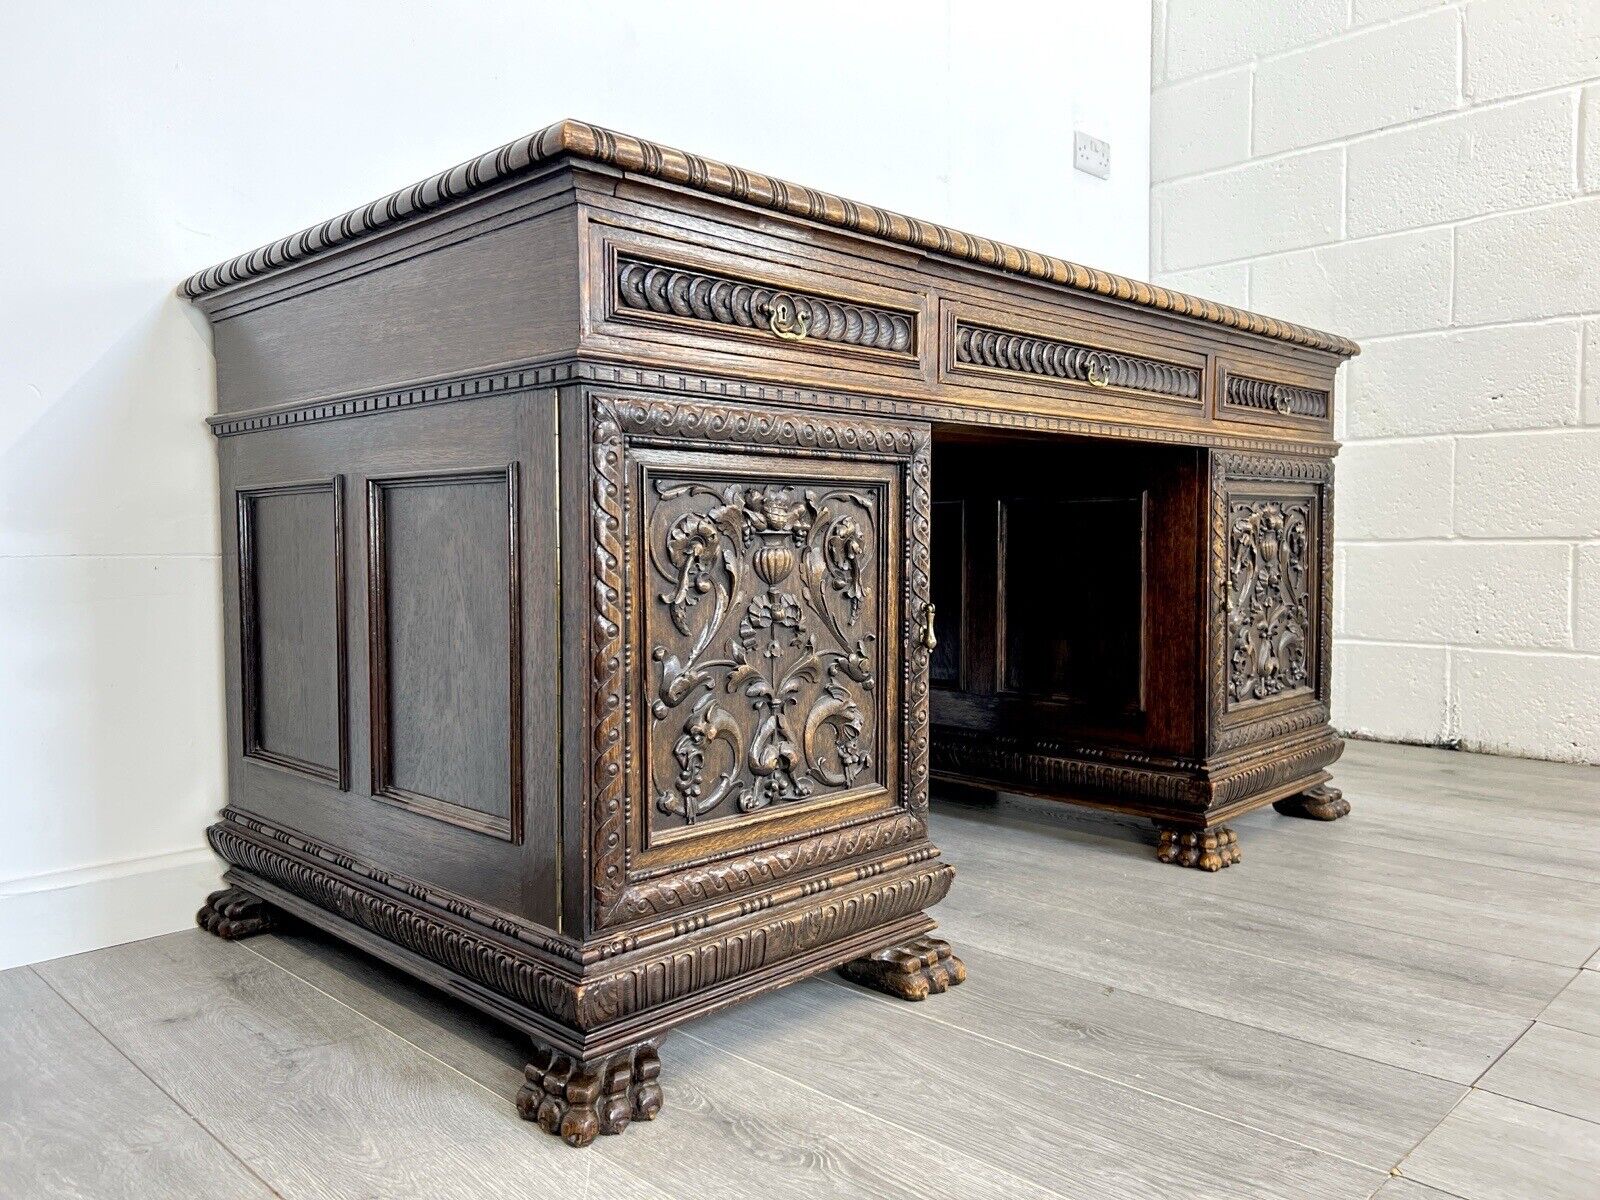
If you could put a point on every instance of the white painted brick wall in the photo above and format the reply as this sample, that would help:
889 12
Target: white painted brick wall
1423 175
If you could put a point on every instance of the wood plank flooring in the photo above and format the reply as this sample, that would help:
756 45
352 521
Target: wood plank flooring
1404 1004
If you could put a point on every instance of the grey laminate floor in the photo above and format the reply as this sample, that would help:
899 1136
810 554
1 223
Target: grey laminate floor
1396 1004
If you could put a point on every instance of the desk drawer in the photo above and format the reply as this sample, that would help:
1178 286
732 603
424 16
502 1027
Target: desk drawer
1269 395
698 299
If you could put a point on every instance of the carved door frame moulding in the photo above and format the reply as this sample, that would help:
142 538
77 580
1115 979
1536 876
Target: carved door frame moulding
1229 724
618 421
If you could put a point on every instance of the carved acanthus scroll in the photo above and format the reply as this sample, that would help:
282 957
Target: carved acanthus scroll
763 642
1270 618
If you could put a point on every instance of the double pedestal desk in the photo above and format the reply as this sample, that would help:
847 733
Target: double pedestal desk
618 542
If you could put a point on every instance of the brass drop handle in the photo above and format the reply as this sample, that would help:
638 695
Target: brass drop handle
786 320
1097 376
928 637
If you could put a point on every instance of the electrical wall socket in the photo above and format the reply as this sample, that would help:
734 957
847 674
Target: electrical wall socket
1091 155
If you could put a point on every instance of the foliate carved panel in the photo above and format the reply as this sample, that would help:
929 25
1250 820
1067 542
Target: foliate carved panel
697 295
770 563
1271 622
764 635
1271 596
1001 350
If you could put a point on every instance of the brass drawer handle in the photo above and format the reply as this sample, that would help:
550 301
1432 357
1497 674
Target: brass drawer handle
1097 376
929 640
786 320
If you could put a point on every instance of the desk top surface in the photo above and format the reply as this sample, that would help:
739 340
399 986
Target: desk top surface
579 140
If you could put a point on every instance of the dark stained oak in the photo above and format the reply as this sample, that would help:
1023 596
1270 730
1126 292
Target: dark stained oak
624 541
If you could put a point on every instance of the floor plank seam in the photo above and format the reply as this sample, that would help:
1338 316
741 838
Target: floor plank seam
1002 890
768 1069
1344 919
1124 1084
1531 1023
1177 1003
176 1103
428 1054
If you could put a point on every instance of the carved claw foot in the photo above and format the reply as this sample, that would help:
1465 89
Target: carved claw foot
1207 849
910 970
1319 803
577 1101
233 914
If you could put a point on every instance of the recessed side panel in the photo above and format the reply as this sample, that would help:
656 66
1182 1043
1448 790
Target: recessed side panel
446 686
292 628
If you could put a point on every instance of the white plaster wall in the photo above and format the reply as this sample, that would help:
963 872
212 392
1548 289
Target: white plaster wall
1424 177
146 140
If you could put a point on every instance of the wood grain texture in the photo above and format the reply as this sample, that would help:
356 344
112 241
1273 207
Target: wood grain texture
732 1125
1491 1148
1337 1103
1578 1006
920 1076
1553 1068
77 1119
319 1100
1016 860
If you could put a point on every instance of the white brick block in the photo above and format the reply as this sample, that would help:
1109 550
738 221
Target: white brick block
1370 80
1158 42
1517 46
1529 265
1363 11
1529 484
1505 377
1254 209
1227 284
1589 123
1203 35
1510 156
1591 373
1536 705
1586 593
1200 125
1395 489
1464 593
1361 289
1396 692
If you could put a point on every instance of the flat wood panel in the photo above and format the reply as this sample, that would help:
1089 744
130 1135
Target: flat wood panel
295 619
446 596
948 554
1074 599
78 1119
319 1100
1491 1148
506 296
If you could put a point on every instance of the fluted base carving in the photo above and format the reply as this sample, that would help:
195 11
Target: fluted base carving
912 970
578 1101
1319 803
232 914
1204 849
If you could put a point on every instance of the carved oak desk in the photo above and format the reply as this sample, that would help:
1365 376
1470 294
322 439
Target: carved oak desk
618 540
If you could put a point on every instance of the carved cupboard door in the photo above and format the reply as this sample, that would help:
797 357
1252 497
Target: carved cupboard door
773 592
1271 596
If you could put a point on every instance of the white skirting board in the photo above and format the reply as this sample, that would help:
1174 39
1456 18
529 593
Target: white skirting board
69 912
